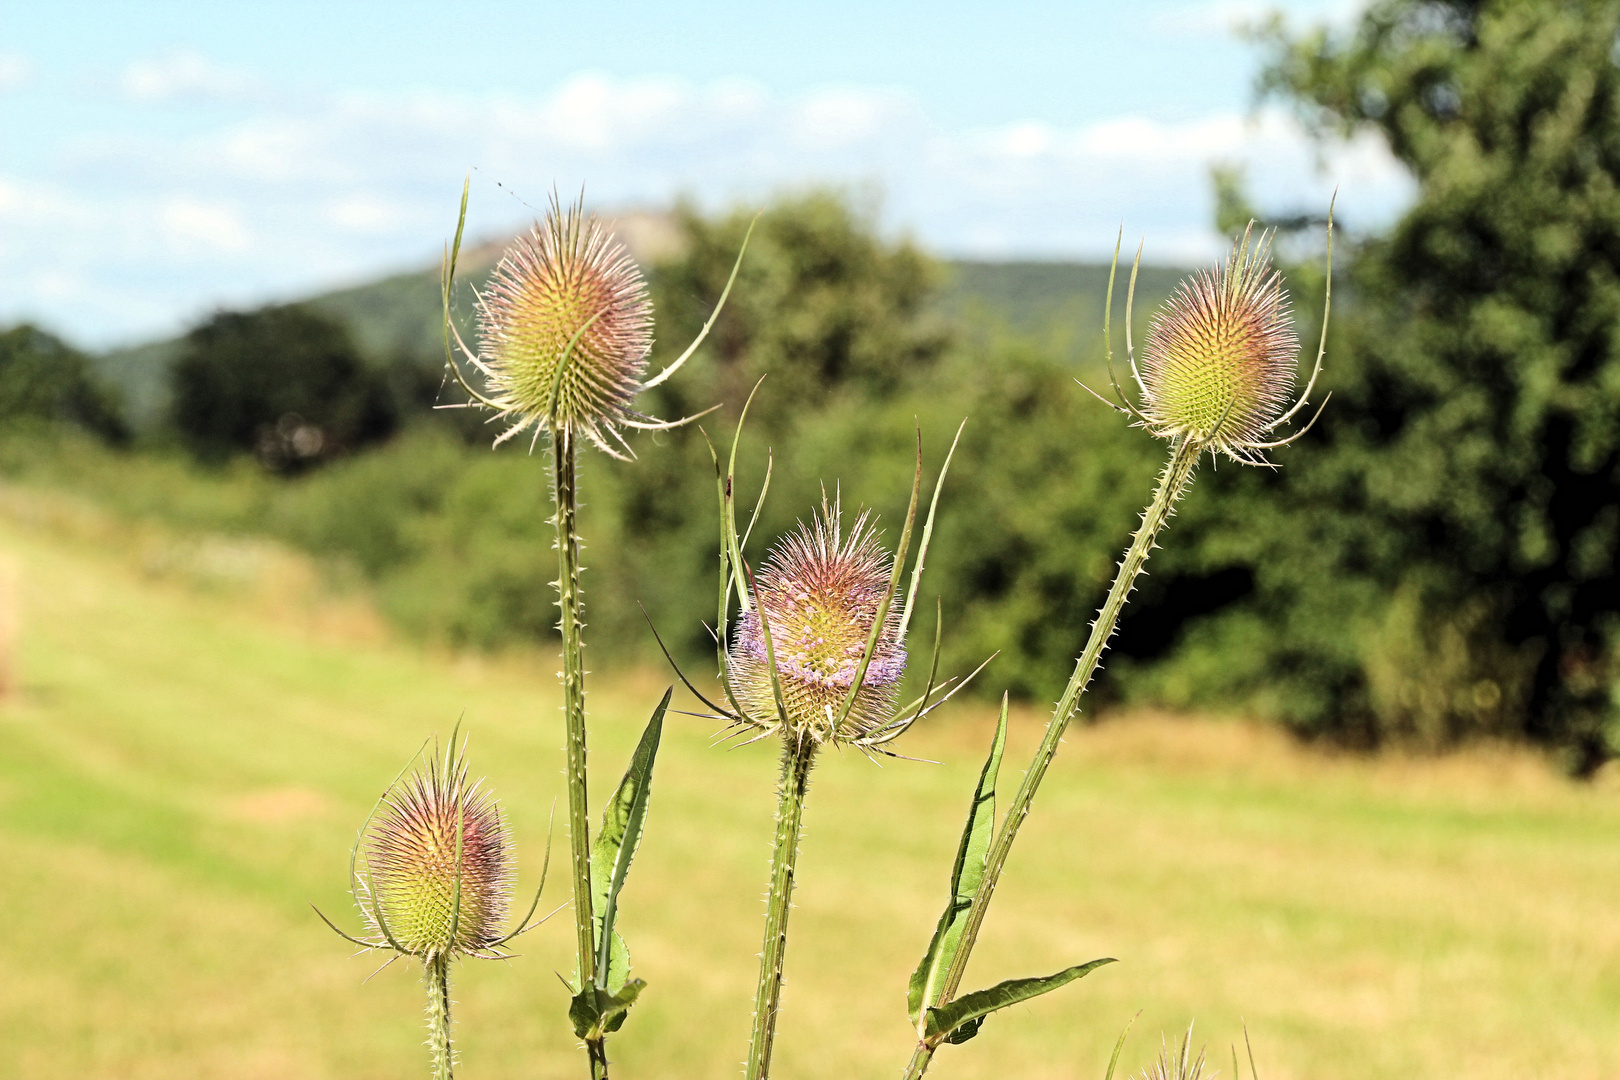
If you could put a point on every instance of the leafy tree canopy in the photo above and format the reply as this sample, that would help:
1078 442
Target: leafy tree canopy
283 383
1439 560
43 378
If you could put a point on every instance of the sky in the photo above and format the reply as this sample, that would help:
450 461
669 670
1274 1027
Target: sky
160 160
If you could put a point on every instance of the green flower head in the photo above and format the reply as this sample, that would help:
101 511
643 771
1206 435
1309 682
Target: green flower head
1218 369
433 867
1221 355
565 328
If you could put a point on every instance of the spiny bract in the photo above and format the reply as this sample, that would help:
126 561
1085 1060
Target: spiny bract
435 836
820 593
1219 363
567 283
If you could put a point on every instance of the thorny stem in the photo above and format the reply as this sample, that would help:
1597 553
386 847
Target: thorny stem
596 1049
1172 483
436 974
565 493
797 757
920 1059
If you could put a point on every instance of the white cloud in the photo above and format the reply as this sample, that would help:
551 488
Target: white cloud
297 193
15 71
181 74
1211 17
365 214
193 225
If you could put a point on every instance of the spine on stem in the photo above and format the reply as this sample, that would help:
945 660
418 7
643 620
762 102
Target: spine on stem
565 493
797 757
437 976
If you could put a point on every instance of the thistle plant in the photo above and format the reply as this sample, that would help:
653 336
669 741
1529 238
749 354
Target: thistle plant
816 659
432 872
1177 1062
1216 376
565 330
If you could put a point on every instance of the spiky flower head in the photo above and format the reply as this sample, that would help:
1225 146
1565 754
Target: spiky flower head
565 328
819 595
1220 357
435 864
1177 1062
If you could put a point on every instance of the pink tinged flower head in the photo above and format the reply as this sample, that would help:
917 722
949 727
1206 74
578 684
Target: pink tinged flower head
436 839
820 593
1220 357
565 328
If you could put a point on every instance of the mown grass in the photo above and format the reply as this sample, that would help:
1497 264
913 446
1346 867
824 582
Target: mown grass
200 729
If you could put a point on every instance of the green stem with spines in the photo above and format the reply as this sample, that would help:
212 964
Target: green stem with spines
797 757
1173 482
436 974
565 494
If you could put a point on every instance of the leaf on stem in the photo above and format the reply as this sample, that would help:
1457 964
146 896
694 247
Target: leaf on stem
927 981
596 1012
601 1006
959 1021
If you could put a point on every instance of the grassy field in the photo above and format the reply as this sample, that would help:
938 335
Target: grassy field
199 729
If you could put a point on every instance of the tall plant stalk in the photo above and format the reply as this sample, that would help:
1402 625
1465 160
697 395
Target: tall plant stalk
565 330
436 974
797 757
1173 482
565 494
1216 375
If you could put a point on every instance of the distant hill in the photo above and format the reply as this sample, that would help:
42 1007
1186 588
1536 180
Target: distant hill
1054 306
1057 306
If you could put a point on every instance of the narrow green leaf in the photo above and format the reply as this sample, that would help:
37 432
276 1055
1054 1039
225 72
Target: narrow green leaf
927 980
971 1008
1120 1045
902 552
615 847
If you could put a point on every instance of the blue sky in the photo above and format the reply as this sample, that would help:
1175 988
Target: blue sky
161 159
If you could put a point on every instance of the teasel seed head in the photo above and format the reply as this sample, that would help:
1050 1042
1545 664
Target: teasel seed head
1220 357
435 865
819 594
565 328
1177 1062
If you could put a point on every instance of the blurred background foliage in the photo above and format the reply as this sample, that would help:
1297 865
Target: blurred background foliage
1433 563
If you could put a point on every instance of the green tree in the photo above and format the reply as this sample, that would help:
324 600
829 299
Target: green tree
44 378
1439 560
283 383
833 312
824 304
